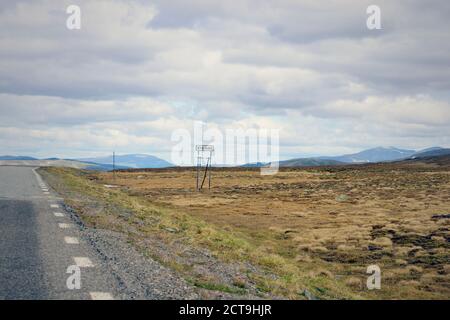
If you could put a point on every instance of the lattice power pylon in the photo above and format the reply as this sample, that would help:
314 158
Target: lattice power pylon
204 158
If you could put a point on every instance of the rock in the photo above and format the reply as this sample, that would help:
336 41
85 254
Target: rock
342 198
374 248
441 216
308 295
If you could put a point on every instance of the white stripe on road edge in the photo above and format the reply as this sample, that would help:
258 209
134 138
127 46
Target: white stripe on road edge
58 214
64 225
54 206
83 262
101 296
38 178
71 240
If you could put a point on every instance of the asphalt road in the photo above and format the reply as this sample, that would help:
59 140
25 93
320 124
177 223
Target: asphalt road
39 243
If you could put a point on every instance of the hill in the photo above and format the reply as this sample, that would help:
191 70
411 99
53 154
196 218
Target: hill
378 154
432 152
130 161
309 162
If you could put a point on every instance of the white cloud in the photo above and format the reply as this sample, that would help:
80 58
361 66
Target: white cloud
419 110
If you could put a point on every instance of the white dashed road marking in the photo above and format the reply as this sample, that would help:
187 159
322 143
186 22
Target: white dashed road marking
101 296
83 262
71 240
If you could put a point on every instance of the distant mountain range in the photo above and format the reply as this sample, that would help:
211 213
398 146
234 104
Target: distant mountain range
105 163
379 154
130 161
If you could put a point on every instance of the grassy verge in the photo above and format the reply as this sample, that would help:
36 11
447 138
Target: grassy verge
271 273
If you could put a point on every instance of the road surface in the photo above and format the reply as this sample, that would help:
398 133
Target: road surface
39 243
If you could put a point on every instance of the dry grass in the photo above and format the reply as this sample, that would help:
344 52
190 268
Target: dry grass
315 228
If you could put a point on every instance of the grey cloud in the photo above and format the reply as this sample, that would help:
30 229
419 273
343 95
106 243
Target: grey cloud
225 62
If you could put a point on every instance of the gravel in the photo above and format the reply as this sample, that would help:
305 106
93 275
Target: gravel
137 277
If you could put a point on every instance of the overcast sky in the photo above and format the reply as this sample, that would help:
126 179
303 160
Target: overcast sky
138 70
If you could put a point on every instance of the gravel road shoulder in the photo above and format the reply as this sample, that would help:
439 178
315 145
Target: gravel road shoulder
137 277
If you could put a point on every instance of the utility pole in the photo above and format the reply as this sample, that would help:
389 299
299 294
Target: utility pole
114 165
